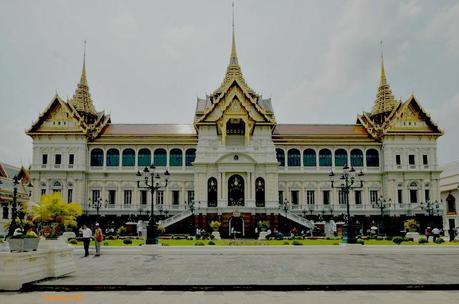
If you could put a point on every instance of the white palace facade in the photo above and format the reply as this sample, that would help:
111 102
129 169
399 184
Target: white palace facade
236 163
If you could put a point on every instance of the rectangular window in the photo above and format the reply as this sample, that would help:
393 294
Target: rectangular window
326 197
342 197
5 212
44 159
175 197
413 196
71 160
373 196
43 191
281 197
127 197
295 197
143 197
69 195
95 195
358 197
310 199
111 197
425 160
398 160
411 160
159 197
400 196
57 159
190 196
427 195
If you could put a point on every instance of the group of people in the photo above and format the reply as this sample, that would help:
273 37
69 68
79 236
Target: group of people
87 236
435 233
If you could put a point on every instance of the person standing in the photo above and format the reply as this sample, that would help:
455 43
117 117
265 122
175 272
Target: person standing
435 233
87 234
99 236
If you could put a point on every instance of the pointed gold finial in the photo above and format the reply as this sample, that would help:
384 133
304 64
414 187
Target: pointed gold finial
385 101
383 80
83 79
233 57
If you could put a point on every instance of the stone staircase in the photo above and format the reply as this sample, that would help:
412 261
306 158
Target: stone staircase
174 219
297 219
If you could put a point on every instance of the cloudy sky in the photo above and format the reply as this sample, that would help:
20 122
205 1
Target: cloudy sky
147 61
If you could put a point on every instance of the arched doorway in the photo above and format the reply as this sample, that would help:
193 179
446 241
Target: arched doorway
236 191
236 226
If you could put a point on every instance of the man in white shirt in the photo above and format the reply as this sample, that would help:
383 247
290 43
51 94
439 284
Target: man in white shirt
87 234
435 233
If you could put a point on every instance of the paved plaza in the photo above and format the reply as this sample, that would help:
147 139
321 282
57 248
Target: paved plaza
159 297
266 266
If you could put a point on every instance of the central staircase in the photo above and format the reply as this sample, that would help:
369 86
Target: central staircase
174 219
298 219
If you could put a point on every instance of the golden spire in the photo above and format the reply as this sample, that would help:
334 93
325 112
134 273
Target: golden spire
385 101
233 71
81 100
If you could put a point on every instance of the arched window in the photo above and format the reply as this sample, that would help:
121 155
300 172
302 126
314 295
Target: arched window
160 157
372 158
340 158
451 200
325 158
144 158
236 194
57 187
113 158
97 157
175 158
356 158
190 155
309 158
260 192
212 192
128 158
293 158
280 155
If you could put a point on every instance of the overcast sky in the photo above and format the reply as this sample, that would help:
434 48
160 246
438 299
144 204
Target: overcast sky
147 61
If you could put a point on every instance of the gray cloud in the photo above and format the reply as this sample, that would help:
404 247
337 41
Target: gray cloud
148 60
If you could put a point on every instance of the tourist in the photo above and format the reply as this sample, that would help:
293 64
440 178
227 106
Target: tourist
452 234
435 233
427 233
99 236
87 234
198 234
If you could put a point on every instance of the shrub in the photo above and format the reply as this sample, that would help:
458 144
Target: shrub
360 241
379 238
412 225
439 241
422 240
297 243
105 243
121 231
408 239
199 244
111 237
388 238
263 225
127 241
286 243
398 240
211 243
212 236
215 225
73 242
161 229
31 235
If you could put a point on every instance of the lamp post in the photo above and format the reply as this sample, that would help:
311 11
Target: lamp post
13 224
149 180
381 204
191 207
98 204
431 208
348 182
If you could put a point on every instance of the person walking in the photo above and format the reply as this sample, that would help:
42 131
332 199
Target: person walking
435 233
87 234
99 236
452 234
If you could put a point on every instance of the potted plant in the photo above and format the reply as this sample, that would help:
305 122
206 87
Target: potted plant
54 215
263 225
412 228
215 226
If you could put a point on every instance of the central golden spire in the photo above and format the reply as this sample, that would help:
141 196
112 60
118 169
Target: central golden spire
385 101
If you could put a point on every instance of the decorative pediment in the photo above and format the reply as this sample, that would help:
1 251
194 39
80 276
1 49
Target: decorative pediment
58 117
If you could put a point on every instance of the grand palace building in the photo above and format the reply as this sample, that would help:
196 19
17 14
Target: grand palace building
235 162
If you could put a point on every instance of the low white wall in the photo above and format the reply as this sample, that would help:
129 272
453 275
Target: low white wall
52 259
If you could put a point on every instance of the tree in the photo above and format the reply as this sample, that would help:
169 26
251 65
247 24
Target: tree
54 214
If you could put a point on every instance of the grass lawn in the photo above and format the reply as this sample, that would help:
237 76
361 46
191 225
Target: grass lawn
242 242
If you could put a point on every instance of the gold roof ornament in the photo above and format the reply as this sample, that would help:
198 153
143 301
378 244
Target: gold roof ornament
233 71
385 101
82 100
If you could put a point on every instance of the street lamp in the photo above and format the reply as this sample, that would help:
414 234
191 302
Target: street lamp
192 224
149 179
98 204
13 224
348 182
382 204
431 208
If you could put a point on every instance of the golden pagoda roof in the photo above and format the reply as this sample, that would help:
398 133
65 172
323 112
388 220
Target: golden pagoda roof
385 101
